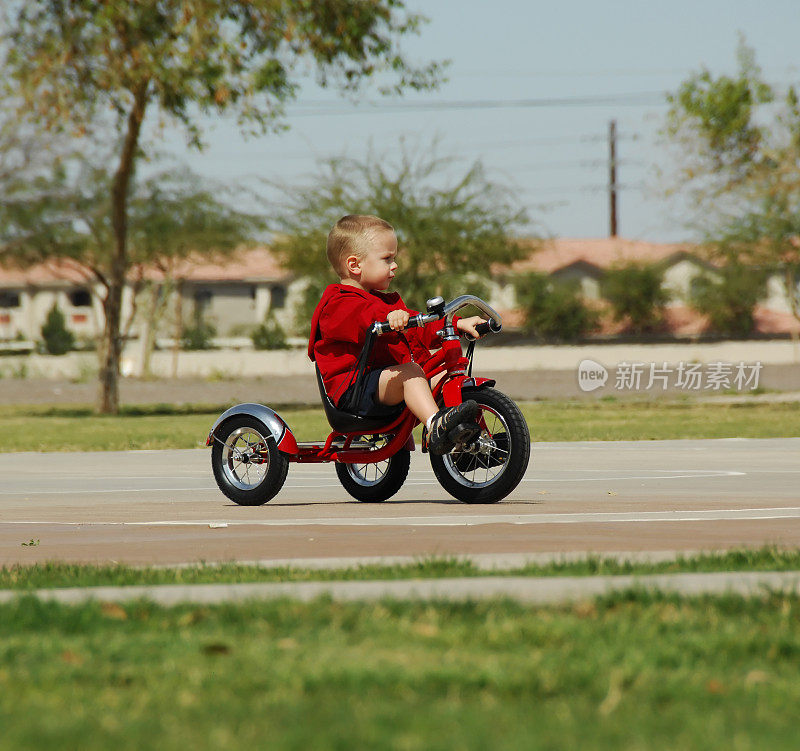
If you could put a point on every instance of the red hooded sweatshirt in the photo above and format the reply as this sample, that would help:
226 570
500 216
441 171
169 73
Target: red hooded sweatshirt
339 327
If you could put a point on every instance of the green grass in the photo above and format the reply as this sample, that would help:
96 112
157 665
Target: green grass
49 428
57 574
662 420
628 671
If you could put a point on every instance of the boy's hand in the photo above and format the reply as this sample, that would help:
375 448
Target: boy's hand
467 325
397 319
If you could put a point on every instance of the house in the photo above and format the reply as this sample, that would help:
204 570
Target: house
236 293
26 296
587 260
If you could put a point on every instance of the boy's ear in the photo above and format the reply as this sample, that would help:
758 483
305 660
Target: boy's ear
353 264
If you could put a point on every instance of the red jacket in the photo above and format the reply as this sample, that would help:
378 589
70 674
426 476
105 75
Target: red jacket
339 328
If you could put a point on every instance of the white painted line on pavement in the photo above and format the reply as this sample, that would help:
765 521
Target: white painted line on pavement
694 474
455 520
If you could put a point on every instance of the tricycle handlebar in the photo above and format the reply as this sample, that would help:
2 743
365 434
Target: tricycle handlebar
421 319
494 324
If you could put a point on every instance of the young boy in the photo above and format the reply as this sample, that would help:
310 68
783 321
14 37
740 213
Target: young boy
363 250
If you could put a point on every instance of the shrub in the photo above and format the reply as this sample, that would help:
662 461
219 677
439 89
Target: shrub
269 335
729 299
554 310
635 293
198 336
58 339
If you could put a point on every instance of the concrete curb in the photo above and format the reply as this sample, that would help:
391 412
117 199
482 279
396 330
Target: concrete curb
529 590
481 561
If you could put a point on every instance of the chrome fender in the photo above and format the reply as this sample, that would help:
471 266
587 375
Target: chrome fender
276 425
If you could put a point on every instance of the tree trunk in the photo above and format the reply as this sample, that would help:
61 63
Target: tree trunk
790 283
178 333
148 335
159 301
112 341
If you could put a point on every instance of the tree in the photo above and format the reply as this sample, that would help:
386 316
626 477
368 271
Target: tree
81 66
452 225
171 216
636 294
741 168
729 298
177 216
554 310
58 339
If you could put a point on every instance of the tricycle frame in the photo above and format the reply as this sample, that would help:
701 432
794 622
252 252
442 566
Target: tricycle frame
345 447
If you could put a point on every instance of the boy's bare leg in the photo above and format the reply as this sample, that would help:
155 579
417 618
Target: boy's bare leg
407 382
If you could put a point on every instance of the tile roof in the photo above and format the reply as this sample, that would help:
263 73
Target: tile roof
256 264
558 253
55 271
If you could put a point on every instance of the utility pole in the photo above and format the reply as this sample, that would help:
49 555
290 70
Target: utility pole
612 178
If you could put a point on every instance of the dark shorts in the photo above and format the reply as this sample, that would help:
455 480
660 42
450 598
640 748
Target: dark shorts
368 405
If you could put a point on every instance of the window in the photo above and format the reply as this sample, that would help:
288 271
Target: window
80 298
9 299
278 297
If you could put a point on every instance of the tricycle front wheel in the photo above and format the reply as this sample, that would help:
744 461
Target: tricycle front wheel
493 465
247 465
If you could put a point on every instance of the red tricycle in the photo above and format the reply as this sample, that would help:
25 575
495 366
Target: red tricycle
252 445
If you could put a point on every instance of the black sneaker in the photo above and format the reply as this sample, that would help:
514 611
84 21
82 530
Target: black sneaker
453 426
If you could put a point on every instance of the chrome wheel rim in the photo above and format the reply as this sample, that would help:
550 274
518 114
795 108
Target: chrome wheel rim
476 469
369 475
245 459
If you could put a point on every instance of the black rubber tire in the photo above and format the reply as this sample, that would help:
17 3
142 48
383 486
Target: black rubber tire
517 440
264 490
386 487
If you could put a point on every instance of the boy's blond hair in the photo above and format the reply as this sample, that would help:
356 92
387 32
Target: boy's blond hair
349 237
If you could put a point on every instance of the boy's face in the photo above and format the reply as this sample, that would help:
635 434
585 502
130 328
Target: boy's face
378 265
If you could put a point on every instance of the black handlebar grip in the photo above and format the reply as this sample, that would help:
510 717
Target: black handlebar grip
383 327
486 328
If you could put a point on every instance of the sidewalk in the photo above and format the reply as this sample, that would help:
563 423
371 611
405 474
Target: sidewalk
231 363
280 390
554 590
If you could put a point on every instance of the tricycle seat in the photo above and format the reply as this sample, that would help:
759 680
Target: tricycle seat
347 422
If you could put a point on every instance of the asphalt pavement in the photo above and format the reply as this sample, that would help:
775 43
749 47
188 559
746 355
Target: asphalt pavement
162 507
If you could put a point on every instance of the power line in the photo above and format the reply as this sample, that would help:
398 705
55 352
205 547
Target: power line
581 188
636 99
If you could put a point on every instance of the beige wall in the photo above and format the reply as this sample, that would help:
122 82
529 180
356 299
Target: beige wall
678 278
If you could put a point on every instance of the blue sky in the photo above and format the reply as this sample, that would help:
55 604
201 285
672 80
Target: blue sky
554 156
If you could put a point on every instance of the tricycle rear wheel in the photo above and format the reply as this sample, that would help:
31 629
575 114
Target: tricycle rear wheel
374 483
247 465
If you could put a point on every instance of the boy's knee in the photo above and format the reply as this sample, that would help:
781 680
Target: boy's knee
412 370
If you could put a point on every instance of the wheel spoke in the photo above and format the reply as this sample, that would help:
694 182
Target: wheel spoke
245 458
486 462
368 474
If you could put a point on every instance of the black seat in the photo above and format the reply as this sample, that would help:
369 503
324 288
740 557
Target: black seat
346 422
